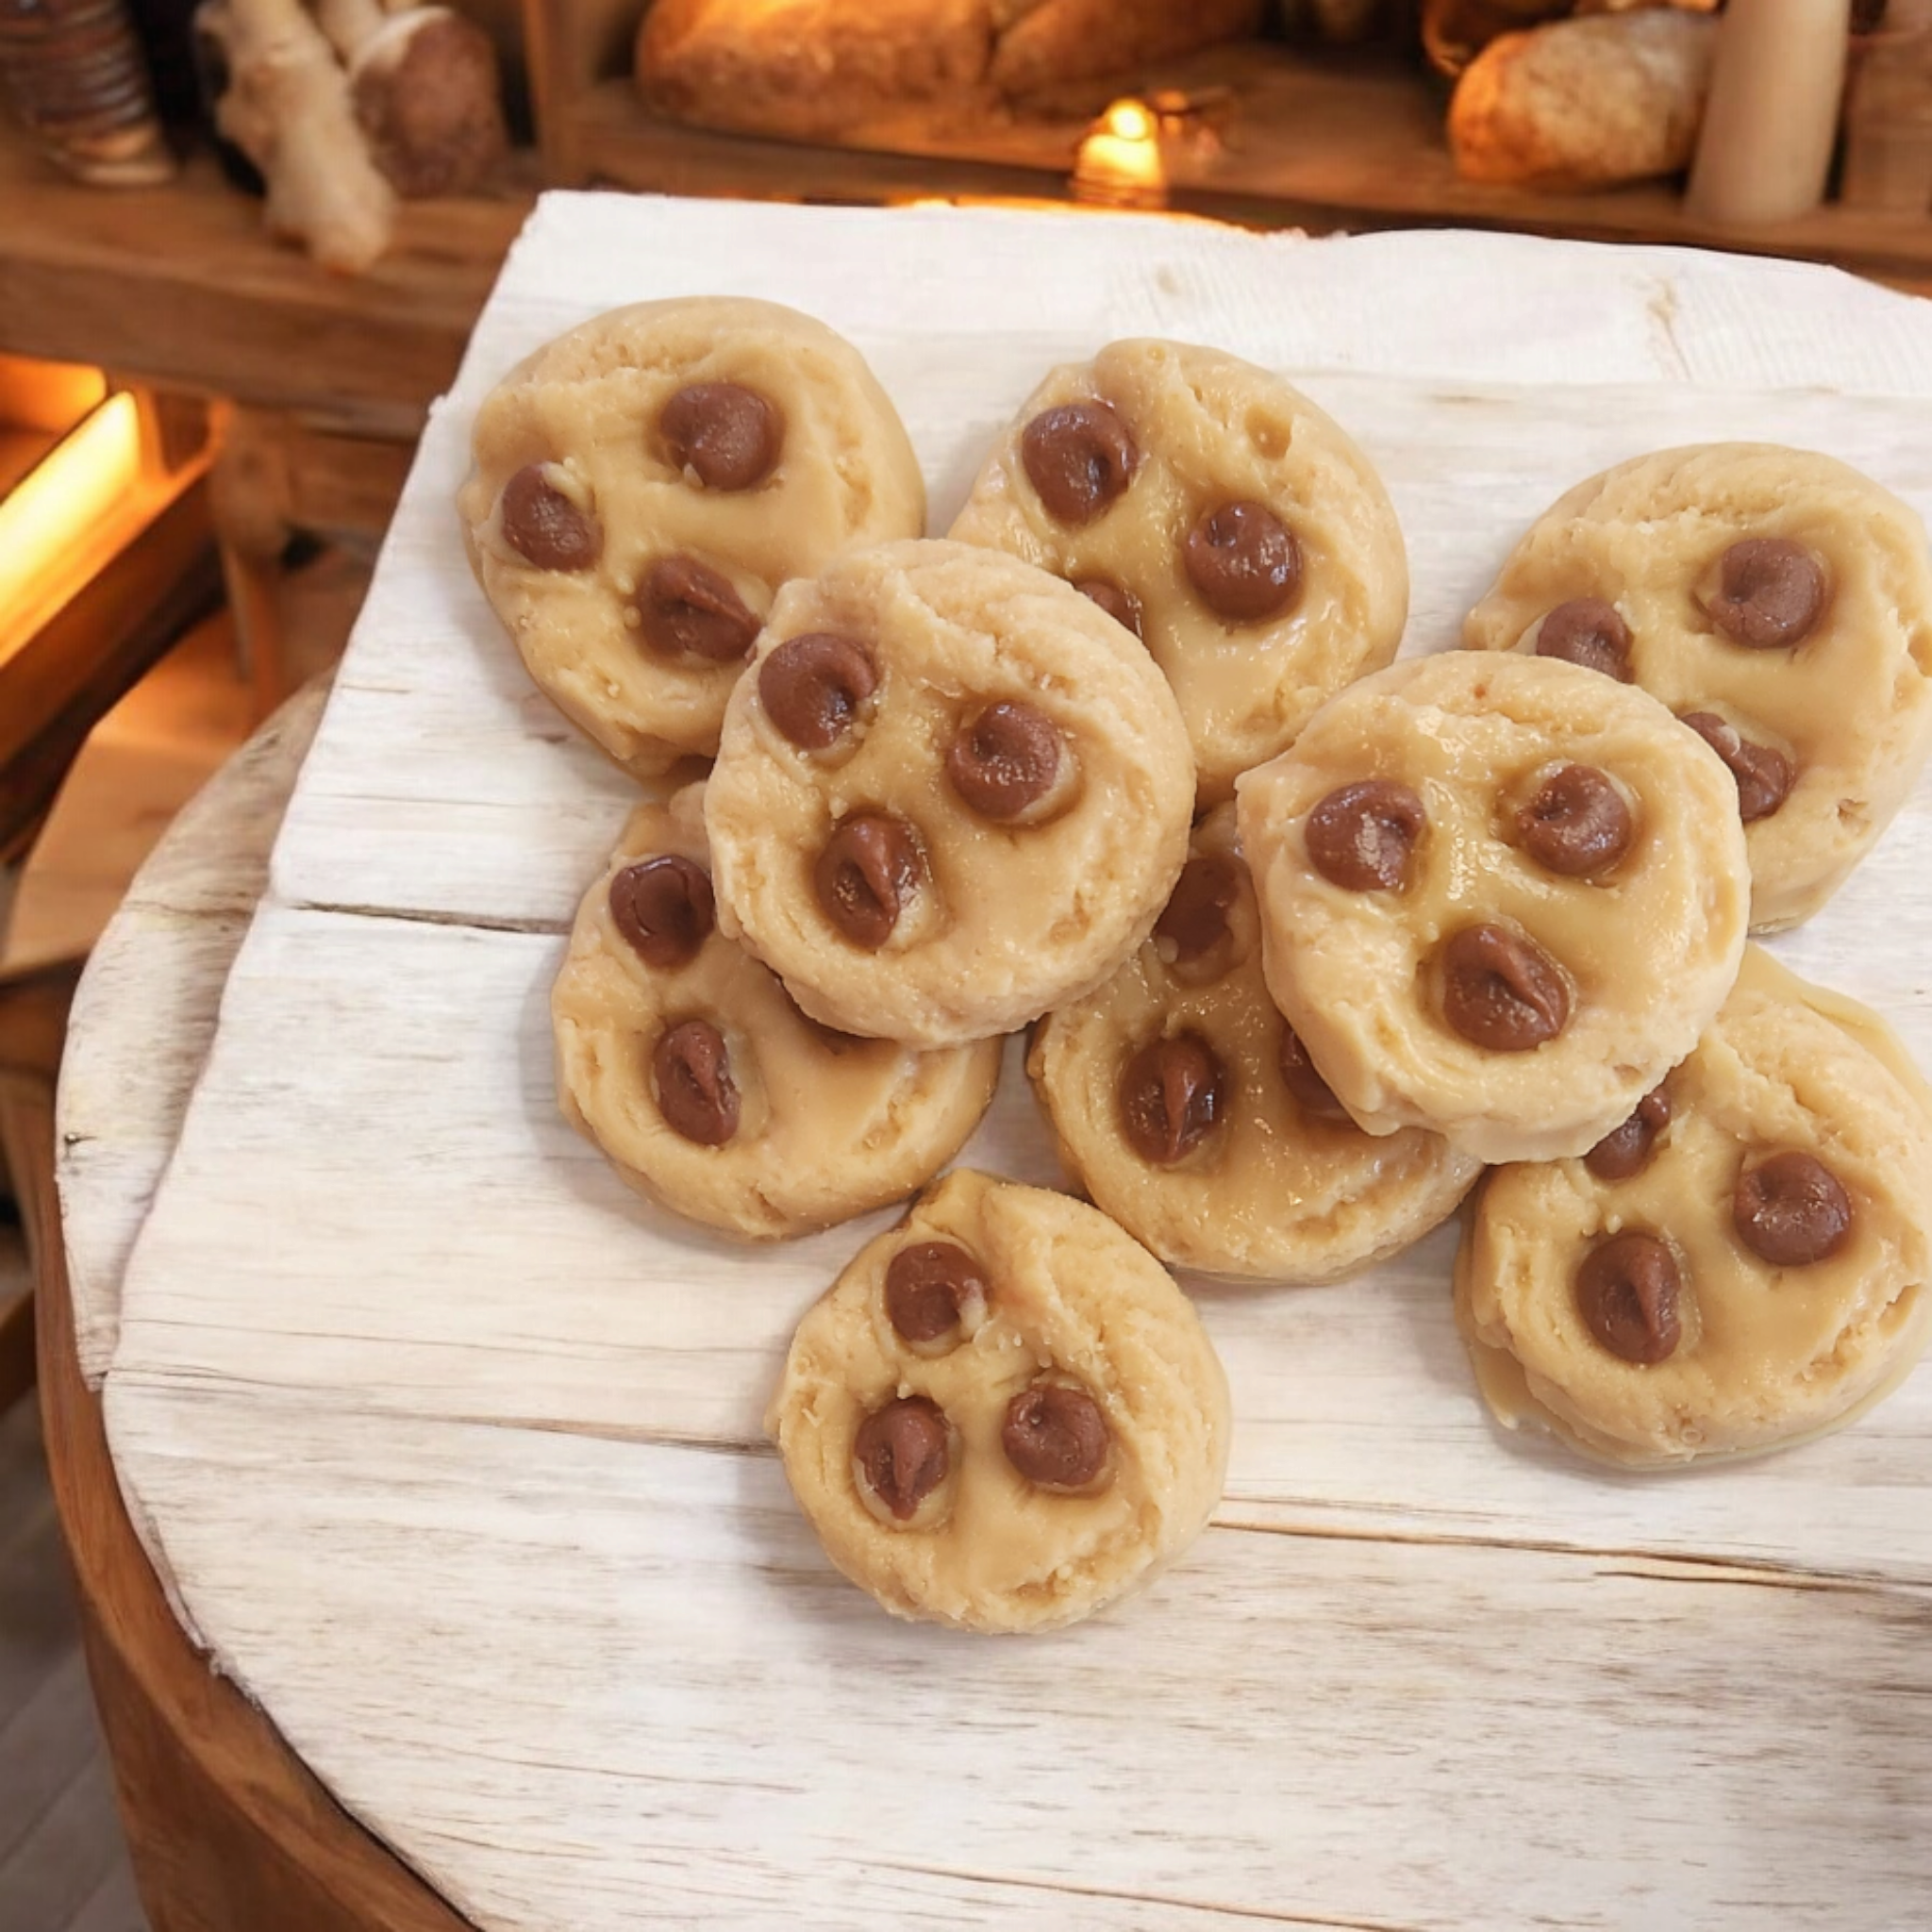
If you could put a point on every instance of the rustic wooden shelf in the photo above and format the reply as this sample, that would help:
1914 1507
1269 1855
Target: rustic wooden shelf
179 286
1321 141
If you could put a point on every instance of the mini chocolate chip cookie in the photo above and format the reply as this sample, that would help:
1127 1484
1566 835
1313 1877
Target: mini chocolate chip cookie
706 1088
1187 1109
1500 896
1003 1414
950 793
643 485
1780 604
1220 516
1742 1265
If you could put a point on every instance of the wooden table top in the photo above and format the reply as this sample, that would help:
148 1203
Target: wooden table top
448 1447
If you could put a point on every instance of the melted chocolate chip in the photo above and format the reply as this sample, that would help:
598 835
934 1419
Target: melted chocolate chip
1628 1150
1764 774
1056 1436
902 1454
1363 836
1626 1292
1080 458
1588 631
685 606
927 1286
1792 1211
867 872
1172 1094
814 685
1244 562
1576 825
1121 606
663 907
725 434
1771 594
1195 917
1502 992
695 1092
543 526
1004 761
1305 1087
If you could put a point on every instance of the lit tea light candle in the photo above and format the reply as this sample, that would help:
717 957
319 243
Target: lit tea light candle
1120 159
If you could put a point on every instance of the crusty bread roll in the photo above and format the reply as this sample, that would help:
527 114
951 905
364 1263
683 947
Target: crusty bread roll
809 68
1584 103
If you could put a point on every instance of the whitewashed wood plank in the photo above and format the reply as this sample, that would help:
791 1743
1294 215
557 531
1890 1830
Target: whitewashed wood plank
672 1708
145 1012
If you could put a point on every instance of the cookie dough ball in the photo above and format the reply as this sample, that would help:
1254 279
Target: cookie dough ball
1222 518
1500 896
1741 1266
688 1064
1003 1414
950 794
1187 1109
645 484
1781 604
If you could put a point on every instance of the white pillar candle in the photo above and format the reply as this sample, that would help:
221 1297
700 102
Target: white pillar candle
1772 113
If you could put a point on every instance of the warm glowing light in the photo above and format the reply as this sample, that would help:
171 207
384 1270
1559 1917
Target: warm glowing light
1130 120
1120 159
65 520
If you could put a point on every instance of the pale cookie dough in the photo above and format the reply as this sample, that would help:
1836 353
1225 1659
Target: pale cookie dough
1223 518
1808 669
1742 1268
707 1089
1188 1110
642 486
951 793
1500 896
1003 1414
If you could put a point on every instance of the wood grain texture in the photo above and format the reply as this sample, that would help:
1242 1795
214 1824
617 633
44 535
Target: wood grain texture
450 1445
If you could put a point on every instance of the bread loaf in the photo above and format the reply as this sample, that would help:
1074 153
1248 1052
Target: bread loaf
1584 103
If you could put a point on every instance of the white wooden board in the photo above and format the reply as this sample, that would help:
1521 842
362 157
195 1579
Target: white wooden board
418 1402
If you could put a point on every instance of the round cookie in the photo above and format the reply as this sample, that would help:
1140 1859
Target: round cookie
1003 1414
645 483
688 1064
950 794
1221 516
1776 600
1188 1110
1742 1266
1501 895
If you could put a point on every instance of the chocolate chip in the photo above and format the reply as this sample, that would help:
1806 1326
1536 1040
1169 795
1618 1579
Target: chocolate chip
1244 561
695 1092
729 434
1627 1150
543 526
1056 1436
902 1454
686 607
1588 631
1172 1092
1502 992
1305 1087
865 874
1792 1211
1121 606
927 1285
1764 774
1196 918
1576 825
1626 1292
1080 458
1004 761
814 685
1771 594
1363 836
663 907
